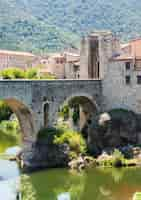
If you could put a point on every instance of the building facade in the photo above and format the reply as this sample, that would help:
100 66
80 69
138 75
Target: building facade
64 65
16 59
117 65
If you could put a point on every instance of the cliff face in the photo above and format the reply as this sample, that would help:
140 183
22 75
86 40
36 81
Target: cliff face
115 129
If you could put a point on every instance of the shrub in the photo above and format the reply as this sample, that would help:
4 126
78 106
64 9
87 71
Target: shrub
18 73
74 139
32 73
48 133
9 131
76 113
118 158
7 73
62 135
13 73
5 111
65 112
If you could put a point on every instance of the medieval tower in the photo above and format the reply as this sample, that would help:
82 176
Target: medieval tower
96 50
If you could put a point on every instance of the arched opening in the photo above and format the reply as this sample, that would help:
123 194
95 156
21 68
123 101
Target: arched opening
25 120
46 111
77 112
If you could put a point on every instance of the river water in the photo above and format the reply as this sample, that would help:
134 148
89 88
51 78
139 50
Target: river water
61 184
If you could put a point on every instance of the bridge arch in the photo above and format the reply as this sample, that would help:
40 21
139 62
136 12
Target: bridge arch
25 117
88 107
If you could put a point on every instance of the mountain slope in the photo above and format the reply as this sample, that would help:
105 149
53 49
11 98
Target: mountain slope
122 16
42 25
21 30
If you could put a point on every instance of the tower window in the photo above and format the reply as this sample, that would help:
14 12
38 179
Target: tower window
128 80
127 65
139 79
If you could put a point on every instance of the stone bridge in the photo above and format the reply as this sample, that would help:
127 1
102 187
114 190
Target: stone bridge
36 103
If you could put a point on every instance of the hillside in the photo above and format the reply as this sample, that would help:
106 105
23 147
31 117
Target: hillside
21 30
81 16
42 25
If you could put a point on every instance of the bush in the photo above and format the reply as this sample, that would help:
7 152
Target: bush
18 73
65 112
5 111
62 135
118 158
9 131
32 73
74 139
7 73
48 133
13 73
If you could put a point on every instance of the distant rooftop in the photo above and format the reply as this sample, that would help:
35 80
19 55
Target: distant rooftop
130 50
16 53
102 32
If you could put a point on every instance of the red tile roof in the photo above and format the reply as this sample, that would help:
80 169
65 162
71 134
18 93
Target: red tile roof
130 51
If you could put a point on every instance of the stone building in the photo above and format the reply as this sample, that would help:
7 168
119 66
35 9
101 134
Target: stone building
63 65
53 64
117 65
17 59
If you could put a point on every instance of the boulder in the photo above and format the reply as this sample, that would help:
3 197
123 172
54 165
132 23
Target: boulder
117 128
45 155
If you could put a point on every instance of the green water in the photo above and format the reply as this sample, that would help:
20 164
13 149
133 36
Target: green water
93 184
62 184
6 144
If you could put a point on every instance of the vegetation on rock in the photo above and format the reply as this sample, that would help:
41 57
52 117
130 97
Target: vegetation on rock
63 135
74 139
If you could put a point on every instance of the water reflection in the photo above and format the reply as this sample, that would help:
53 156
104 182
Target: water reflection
8 170
95 184
64 196
8 189
61 184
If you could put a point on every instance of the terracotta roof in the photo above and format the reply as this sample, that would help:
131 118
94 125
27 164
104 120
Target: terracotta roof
122 58
132 49
16 53
55 55
74 61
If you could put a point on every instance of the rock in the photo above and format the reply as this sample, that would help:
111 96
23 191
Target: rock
46 155
104 156
114 129
81 163
77 164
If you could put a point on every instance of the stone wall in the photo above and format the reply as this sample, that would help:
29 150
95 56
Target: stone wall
118 94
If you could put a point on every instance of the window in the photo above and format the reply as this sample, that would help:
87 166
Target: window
127 65
139 79
46 111
127 80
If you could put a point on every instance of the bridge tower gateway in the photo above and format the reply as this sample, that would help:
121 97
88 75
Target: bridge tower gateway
96 50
